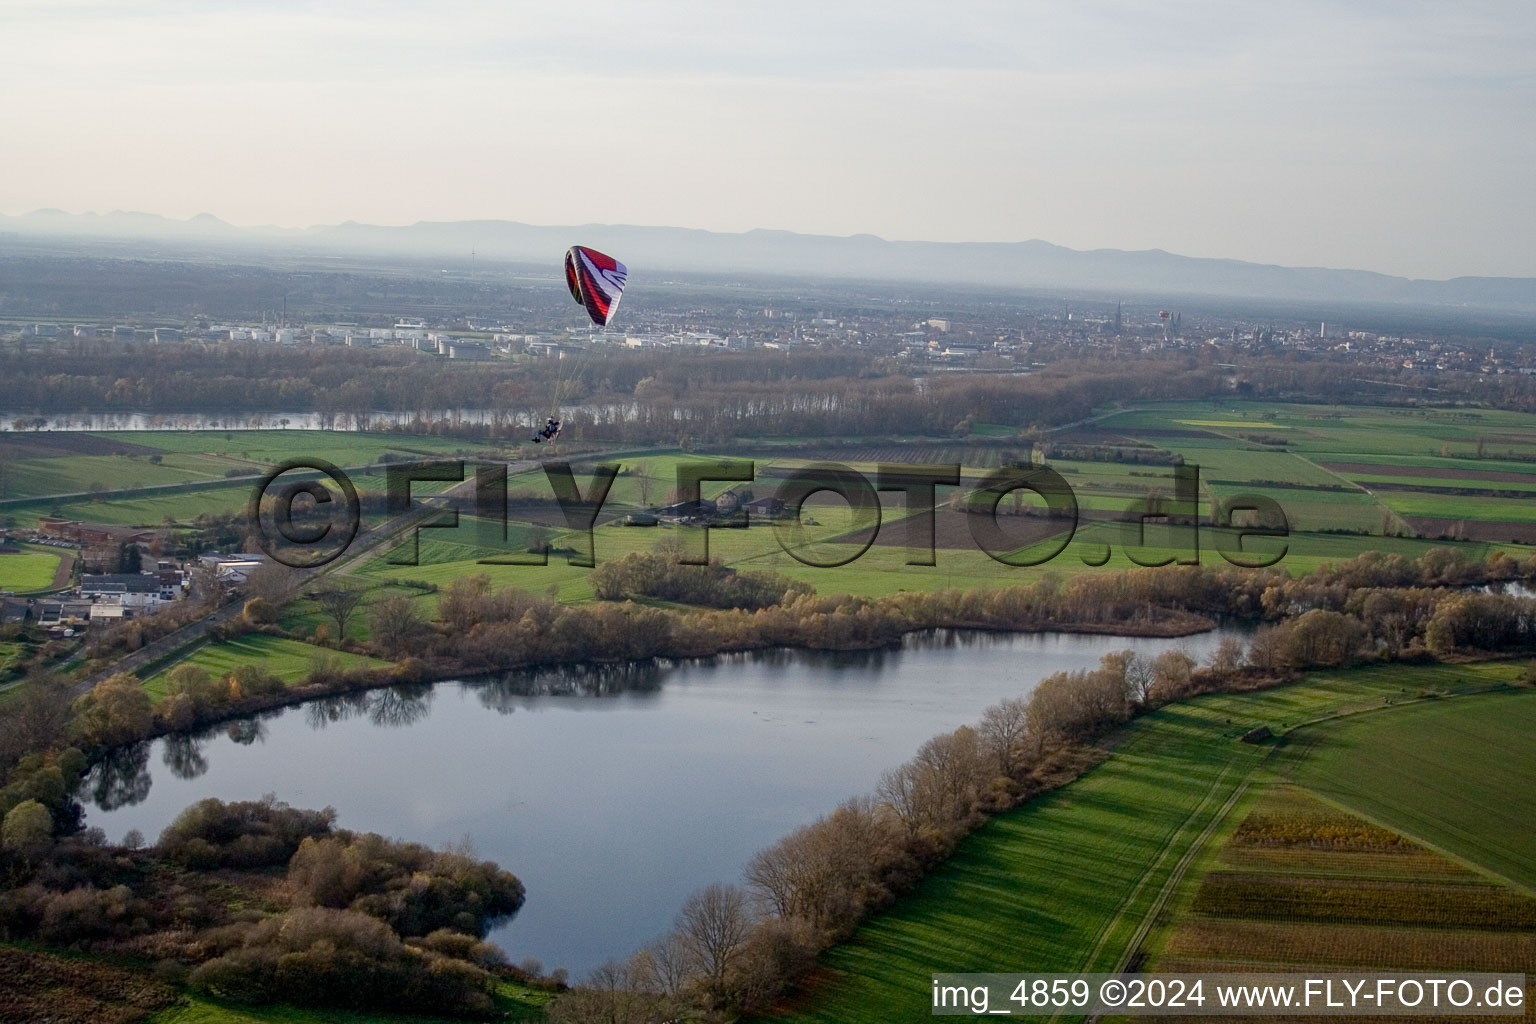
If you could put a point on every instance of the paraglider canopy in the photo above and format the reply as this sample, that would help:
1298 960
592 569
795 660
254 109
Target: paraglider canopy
596 282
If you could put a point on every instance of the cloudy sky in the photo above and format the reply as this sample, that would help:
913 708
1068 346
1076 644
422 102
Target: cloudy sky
1393 135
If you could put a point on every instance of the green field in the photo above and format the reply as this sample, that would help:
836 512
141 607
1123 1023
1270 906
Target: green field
31 569
289 660
447 554
1325 430
149 510
203 457
269 447
1314 498
1063 883
1467 789
1455 506
514 1002
305 614
26 478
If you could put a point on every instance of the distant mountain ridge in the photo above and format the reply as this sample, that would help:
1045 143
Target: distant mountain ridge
1032 264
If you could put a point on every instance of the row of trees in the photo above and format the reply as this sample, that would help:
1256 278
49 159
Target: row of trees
734 949
638 395
662 576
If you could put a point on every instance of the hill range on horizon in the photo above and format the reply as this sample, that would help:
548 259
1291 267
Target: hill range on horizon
1033 264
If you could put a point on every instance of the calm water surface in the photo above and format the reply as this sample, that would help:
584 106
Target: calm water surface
611 794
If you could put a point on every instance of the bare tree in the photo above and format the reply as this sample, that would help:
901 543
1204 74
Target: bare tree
206 584
615 993
906 790
396 624
1050 716
1139 677
953 760
1002 730
1171 671
669 964
35 718
340 604
713 927
1230 656
274 581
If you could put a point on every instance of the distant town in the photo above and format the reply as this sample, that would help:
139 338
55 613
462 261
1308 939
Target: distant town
1004 339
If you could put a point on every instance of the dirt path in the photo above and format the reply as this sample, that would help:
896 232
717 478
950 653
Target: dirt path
1270 762
1162 855
61 575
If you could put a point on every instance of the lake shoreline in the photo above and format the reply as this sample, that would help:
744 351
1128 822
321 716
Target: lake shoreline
750 745
1181 624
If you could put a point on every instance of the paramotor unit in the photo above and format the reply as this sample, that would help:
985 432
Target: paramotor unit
596 281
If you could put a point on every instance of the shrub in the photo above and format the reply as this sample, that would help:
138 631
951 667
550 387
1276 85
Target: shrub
27 825
341 958
251 834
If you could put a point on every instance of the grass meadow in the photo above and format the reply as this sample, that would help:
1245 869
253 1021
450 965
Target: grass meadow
289 660
29 570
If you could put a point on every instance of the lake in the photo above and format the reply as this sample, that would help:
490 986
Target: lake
612 793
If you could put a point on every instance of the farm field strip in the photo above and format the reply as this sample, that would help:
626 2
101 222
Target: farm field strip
1426 796
1432 485
1378 918
1034 888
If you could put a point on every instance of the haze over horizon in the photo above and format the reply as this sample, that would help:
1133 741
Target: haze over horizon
1359 136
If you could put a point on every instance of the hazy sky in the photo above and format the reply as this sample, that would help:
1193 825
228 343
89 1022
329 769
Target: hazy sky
1393 136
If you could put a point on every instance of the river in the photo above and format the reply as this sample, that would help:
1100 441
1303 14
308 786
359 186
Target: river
611 793
25 422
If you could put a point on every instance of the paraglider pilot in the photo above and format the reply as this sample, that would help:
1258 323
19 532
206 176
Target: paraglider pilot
547 432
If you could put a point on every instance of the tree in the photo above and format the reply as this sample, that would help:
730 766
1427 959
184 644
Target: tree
643 483
459 606
909 790
340 604
1229 656
35 717
1323 637
258 611
27 825
396 624
129 557
953 760
117 711
1002 730
193 681
713 927
1171 672
536 538
620 993
276 583
1139 677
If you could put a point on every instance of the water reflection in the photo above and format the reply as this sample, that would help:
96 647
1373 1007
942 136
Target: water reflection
392 707
121 778
184 756
246 731
510 691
